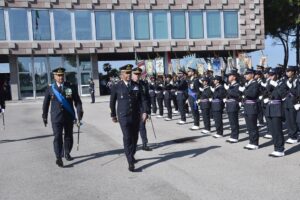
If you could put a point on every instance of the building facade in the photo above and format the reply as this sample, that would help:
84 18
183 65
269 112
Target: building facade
36 36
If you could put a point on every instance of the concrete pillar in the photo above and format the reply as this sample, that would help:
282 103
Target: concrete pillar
95 73
14 81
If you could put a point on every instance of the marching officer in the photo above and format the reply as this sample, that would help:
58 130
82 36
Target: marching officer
182 87
136 73
251 94
193 92
159 91
152 86
2 98
217 105
92 90
173 82
259 78
274 114
131 106
232 105
62 96
168 96
205 104
290 101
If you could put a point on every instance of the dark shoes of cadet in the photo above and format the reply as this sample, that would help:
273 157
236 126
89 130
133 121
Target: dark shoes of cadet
131 167
68 157
59 162
146 148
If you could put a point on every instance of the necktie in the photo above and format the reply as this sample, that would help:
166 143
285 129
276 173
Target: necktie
59 89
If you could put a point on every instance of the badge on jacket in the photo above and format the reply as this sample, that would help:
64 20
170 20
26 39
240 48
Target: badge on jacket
68 92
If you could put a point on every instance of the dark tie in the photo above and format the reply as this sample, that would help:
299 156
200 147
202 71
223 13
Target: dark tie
59 88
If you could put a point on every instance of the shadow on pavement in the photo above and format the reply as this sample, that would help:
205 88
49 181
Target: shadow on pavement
23 139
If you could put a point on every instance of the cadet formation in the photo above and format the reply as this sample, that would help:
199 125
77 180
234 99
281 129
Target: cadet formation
264 97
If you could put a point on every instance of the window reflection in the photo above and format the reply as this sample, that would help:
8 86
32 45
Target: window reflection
18 24
103 25
213 24
83 25
231 24
141 26
122 22
196 25
178 25
2 26
62 25
160 25
41 25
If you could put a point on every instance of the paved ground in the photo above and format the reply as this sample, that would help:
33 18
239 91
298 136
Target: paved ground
184 164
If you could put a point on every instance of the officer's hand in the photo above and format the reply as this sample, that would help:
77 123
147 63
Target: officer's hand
114 119
144 117
2 110
297 106
45 121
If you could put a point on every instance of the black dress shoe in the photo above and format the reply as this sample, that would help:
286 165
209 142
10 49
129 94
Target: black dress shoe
68 157
146 148
134 161
59 162
131 167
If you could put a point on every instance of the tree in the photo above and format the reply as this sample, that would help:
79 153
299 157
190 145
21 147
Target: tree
281 22
106 67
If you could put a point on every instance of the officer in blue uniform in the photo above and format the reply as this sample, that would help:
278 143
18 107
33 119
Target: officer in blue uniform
217 105
168 96
290 101
193 92
251 94
136 77
259 78
205 104
62 95
159 91
182 87
152 86
232 105
131 107
2 99
274 114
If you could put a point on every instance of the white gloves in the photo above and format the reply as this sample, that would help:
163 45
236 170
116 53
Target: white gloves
201 89
240 104
164 93
224 100
226 86
175 93
242 89
297 106
263 84
274 83
260 97
290 85
210 99
212 89
192 86
200 81
2 110
161 85
266 100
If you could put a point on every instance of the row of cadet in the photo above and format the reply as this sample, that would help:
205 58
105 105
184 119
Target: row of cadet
265 94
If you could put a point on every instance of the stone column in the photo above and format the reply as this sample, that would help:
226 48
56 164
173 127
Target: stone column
14 81
95 73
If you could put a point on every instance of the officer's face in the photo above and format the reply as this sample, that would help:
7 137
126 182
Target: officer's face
231 78
126 76
59 78
190 73
290 74
249 77
135 77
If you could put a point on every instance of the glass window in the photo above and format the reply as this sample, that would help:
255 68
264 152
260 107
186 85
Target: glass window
141 26
178 25
41 25
2 26
71 70
213 24
40 75
83 25
85 63
62 25
103 26
196 25
231 24
122 24
25 76
160 25
18 24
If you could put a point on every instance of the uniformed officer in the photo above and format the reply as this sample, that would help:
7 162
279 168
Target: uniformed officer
205 104
62 96
136 77
159 91
274 114
2 98
290 101
131 106
92 90
193 96
168 96
217 105
251 94
152 86
173 82
259 78
232 105
182 87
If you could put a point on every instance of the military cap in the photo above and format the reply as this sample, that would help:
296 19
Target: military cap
219 78
169 76
272 71
258 72
137 70
181 71
233 72
191 69
59 71
126 68
266 70
291 68
249 71
259 67
205 79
